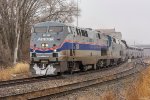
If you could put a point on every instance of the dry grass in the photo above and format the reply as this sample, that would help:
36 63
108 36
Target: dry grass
141 89
108 96
21 68
11 72
91 96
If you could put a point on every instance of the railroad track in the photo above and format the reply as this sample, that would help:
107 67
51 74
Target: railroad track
26 80
117 76
45 78
68 87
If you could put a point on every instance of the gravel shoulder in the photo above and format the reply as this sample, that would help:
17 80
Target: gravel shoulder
19 89
113 90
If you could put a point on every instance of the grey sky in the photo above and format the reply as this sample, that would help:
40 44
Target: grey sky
131 17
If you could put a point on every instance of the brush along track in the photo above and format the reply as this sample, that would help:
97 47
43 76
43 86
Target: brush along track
44 78
51 87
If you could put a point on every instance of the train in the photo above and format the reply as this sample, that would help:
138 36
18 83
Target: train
57 47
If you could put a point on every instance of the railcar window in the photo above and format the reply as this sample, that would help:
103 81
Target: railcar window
40 29
55 29
80 32
99 36
84 33
77 30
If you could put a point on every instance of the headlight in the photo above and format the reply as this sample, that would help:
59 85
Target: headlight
44 45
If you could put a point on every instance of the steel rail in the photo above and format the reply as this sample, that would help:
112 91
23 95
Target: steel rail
74 86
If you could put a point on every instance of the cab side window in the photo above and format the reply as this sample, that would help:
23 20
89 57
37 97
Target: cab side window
114 40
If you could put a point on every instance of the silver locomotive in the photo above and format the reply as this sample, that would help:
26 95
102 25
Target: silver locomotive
57 47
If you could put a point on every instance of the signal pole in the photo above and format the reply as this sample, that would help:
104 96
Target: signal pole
77 13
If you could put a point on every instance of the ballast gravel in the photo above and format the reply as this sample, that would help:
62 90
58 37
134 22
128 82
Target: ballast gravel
37 86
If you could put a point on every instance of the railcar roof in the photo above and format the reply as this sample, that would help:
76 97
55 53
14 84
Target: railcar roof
135 47
49 23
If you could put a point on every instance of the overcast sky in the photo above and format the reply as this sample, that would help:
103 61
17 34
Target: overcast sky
131 17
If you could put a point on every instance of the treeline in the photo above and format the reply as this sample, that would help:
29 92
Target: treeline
16 18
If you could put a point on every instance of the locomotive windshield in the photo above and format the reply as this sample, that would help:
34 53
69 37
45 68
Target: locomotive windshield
56 29
40 29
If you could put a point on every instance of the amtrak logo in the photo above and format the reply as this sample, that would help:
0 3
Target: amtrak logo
45 39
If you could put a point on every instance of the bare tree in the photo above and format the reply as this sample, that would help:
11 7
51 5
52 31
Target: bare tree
25 9
16 16
62 10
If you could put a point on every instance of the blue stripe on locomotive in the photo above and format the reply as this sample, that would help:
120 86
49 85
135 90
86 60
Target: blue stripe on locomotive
68 46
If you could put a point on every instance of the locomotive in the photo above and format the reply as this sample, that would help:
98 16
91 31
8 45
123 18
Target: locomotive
57 47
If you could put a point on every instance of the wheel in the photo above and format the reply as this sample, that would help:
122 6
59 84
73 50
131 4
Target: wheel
85 68
99 64
70 70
